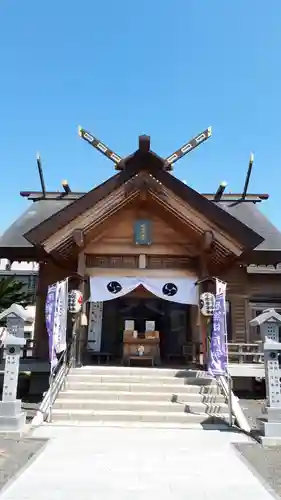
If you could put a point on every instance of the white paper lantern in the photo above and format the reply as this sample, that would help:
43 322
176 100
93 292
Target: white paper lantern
207 303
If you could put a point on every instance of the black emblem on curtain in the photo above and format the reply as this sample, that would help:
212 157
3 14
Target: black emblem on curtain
114 287
169 289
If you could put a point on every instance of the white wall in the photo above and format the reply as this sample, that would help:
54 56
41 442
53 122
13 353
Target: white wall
25 267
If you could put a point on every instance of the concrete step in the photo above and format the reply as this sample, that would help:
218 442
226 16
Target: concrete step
173 396
140 371
139 406
218 425
138 379
137 416
93 385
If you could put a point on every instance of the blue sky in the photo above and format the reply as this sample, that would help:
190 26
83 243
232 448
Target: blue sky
123 68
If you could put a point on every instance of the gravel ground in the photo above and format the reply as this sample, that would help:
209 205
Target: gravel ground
14 455
253 410
264 462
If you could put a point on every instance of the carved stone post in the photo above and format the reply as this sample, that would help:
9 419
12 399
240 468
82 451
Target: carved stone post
269 322
12 418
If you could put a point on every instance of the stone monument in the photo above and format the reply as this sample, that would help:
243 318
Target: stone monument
269 322
12 418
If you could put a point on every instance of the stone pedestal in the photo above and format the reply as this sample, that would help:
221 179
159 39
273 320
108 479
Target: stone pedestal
12 418
271 427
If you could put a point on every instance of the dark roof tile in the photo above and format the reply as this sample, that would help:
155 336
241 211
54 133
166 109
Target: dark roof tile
34 215
248 213
251 216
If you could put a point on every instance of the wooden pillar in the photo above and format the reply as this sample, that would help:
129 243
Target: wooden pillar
203 325
81 327
204 287
40 332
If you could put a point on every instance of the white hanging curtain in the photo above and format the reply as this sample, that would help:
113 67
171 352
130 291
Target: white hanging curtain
181 290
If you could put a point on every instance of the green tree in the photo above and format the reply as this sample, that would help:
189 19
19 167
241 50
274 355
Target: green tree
12 292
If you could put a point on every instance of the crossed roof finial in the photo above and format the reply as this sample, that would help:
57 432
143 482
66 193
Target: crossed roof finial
144 147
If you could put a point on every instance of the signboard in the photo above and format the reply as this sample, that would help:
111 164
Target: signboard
142 232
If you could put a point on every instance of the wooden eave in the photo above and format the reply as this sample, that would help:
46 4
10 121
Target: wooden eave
67 249
47 228
151 164
261 257
158 200
29 254
232 226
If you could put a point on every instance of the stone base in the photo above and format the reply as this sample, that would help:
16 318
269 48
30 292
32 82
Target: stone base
13 424
270 441
10 408
273 414
271 433
12 418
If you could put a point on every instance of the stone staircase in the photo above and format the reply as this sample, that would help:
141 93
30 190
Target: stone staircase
121 396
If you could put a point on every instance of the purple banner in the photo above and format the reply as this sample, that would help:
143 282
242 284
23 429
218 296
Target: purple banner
50 309
218 356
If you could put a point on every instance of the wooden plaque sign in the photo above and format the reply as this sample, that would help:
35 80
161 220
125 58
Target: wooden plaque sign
142 232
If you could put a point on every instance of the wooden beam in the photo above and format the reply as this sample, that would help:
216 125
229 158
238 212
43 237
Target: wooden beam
74 195
93 217
220 191
66 187
100 146
78 238
189 146
207 241
41 175
144 143
248 175
220 269
203 320
198 220
81 329
58 260
143 181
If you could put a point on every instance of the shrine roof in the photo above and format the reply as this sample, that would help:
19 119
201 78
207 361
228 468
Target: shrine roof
251 216
14 243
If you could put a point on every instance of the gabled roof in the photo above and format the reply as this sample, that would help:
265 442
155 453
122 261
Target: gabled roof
268 315
149 163
44 213
59 219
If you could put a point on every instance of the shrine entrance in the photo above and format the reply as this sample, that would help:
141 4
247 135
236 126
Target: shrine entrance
170 320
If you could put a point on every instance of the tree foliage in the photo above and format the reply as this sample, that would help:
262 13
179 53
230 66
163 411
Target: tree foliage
12 292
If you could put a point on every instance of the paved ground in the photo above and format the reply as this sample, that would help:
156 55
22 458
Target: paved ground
15 454
109 463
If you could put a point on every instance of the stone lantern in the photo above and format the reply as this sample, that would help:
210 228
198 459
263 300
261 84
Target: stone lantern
12 418
269 322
